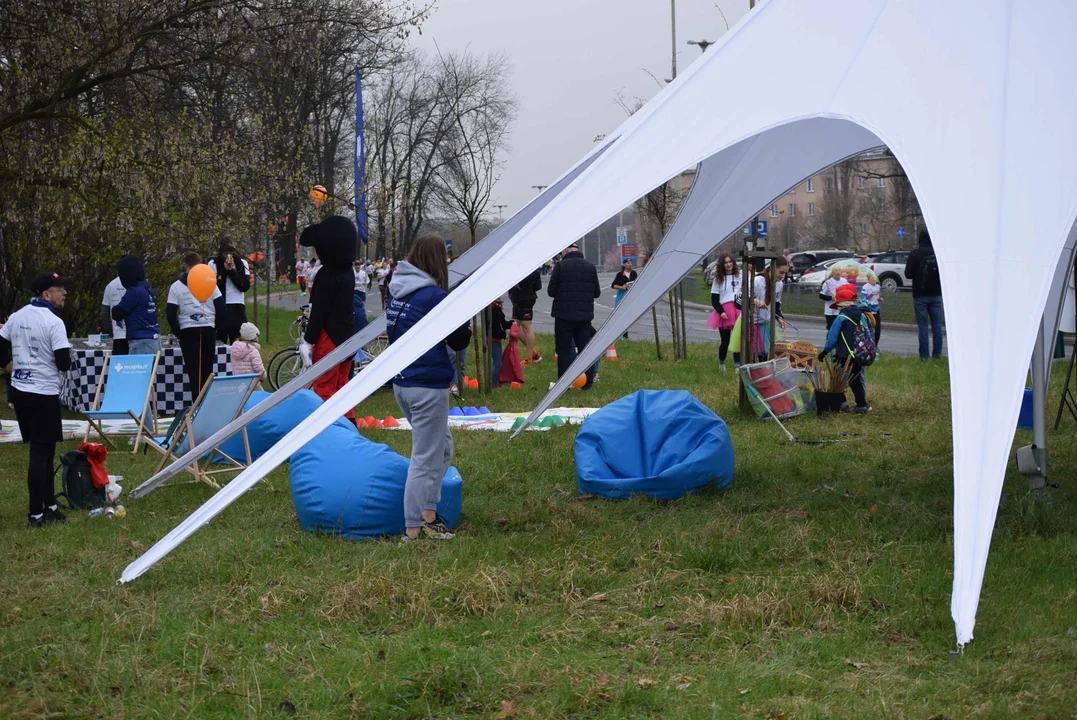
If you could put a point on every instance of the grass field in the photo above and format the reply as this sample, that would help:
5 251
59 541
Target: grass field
816 586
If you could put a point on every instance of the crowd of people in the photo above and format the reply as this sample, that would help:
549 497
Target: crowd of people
35 350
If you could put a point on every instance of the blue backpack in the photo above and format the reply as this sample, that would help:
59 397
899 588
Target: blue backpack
862 350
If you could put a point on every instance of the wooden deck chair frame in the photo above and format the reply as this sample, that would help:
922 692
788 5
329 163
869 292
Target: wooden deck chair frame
149 404
200 473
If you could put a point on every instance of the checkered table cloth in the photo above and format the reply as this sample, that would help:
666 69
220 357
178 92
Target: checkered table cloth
79 384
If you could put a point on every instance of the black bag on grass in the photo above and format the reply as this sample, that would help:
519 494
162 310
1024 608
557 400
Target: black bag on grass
77 482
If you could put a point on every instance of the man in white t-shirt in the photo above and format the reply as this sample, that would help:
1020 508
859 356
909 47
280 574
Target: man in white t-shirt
35 351
193 322
361 279
114 292
233 279
301 270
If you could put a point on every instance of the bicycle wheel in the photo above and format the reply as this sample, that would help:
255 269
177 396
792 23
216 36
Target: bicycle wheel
288 369
274 363
373 349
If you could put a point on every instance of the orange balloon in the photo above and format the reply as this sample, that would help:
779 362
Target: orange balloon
317 195
579 382
200 281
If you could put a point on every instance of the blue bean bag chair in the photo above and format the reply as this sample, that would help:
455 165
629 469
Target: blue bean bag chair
661 443
344 484
267 430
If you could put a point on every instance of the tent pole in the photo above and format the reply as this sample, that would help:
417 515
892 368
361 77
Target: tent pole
1037 479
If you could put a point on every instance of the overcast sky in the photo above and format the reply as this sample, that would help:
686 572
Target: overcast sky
570 59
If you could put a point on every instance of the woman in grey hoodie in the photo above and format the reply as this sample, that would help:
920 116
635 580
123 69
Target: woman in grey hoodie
422 389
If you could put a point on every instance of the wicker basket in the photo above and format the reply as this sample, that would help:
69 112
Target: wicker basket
801 353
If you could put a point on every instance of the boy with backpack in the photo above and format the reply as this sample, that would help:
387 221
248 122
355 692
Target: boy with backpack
851 338
923 269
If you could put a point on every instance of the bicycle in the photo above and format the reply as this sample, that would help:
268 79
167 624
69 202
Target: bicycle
287 364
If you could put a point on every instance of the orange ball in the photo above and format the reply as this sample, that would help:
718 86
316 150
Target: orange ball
514 385
317 195
201 281
579 382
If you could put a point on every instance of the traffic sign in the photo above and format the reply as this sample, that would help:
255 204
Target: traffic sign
629 251
761 228
901 232
448 244
622 236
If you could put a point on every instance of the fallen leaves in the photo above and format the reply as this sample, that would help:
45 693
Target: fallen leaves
646 682
598 597
508 709
854 664
137 546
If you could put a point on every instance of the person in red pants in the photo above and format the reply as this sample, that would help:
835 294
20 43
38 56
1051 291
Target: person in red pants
332 315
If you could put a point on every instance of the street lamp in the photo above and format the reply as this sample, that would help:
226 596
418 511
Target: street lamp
501 212
703 44
540 188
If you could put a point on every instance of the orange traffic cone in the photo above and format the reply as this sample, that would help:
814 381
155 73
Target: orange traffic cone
611 353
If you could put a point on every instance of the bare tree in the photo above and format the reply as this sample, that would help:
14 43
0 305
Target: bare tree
471 167
436 125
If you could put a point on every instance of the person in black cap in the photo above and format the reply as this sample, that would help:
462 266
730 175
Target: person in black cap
332 310
34 350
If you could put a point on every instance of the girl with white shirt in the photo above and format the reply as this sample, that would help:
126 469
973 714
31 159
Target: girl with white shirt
826 294
762 293
725 299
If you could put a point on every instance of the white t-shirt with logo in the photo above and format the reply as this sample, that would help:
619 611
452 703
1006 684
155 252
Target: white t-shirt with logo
360 278
232 294
36 333
192 311
382 272
113 294
830 286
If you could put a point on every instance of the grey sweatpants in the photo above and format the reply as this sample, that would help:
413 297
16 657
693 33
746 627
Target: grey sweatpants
427 409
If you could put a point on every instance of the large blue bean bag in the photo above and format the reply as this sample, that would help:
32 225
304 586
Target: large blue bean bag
267 430
344 484
661 443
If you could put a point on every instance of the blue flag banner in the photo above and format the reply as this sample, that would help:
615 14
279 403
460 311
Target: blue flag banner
360 193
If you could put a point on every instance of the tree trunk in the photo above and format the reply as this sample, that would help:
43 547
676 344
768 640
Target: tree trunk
657 340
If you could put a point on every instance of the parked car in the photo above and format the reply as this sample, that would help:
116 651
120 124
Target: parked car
817 274
889 267
803 262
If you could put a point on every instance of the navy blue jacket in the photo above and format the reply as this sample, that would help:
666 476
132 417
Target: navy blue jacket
574 286
413 294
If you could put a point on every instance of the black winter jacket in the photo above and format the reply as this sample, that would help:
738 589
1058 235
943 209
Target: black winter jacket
525 293
574 288
912 271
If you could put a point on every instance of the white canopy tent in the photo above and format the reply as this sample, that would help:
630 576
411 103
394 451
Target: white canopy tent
966 95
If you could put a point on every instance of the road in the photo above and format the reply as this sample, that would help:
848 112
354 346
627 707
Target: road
900 339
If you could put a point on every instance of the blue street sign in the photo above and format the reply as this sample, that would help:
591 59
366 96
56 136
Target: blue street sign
901 232
622 236
448 244
748 230
761 228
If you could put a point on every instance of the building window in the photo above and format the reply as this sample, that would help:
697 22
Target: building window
811 208
882 182
882 204
774 210
792 209
859 182
811 185
863 229
828 185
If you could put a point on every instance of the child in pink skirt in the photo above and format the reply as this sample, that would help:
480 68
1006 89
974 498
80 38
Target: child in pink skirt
725 298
